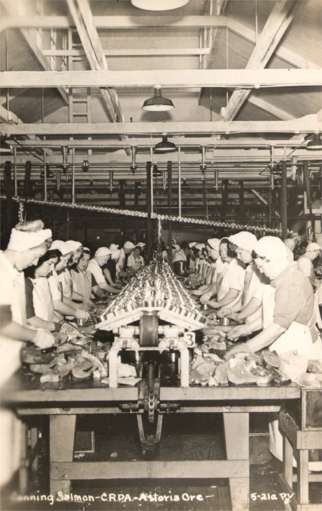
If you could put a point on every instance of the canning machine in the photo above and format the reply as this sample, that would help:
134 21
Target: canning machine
154 321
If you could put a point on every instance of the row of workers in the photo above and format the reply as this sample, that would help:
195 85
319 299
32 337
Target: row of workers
44 282
270 296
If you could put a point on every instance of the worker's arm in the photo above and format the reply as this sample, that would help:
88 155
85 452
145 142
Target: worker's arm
253 306
231 295
108 277
36 322
18 332
264 339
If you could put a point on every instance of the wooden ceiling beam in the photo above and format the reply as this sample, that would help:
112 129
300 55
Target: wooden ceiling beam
183 78
307 124
269 39
8 116
133 52
83 19
115 22
193 142
282 52
30 39
278 112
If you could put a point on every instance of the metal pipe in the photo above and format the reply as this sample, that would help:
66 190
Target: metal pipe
283 200
73 176
45 174
151 182
179 183
15 175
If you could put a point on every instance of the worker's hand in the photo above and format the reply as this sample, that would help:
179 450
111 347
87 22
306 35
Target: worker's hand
81 314
237 332
196 292
43 339
224 312
213 304
235 317
204 299
240 348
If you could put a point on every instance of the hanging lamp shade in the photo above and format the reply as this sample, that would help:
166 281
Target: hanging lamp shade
157 103
165 146
314 141
159 5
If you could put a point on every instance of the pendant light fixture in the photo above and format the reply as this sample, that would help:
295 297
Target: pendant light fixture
159 5
157 103
165 146
314 142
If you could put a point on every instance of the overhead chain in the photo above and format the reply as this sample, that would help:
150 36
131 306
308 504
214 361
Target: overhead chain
167 218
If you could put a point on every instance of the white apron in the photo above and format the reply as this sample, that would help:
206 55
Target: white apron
10 426
297 338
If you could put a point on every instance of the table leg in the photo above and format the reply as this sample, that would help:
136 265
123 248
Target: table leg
303 477
288 461
61 448
237 448
23 465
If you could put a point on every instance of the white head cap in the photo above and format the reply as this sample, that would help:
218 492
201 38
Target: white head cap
73 245
128 245
25 240
61 246
214 243
271 247
244 239
102 252
313 247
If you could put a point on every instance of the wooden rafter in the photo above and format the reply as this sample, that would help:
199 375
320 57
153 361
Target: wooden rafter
267 106
30 39
8 116
83 19
140 22
182 78
309 123
275 27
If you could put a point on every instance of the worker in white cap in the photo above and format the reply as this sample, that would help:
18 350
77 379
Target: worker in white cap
135 260
305 262
58 285
28 242
111 276
121 265
291 326
248 308
211 268
82 280
99 285
231 282
74 249
109 269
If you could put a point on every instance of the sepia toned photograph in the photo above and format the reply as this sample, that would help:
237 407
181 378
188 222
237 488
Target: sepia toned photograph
161 255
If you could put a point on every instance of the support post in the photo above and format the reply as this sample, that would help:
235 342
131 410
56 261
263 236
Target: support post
179 183
169 241
283 200
122 193
149 198
241 202
307 185
73 177
224 198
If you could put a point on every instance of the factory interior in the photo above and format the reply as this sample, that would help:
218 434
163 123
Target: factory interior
161 255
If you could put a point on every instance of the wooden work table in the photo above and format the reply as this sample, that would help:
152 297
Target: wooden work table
62 405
